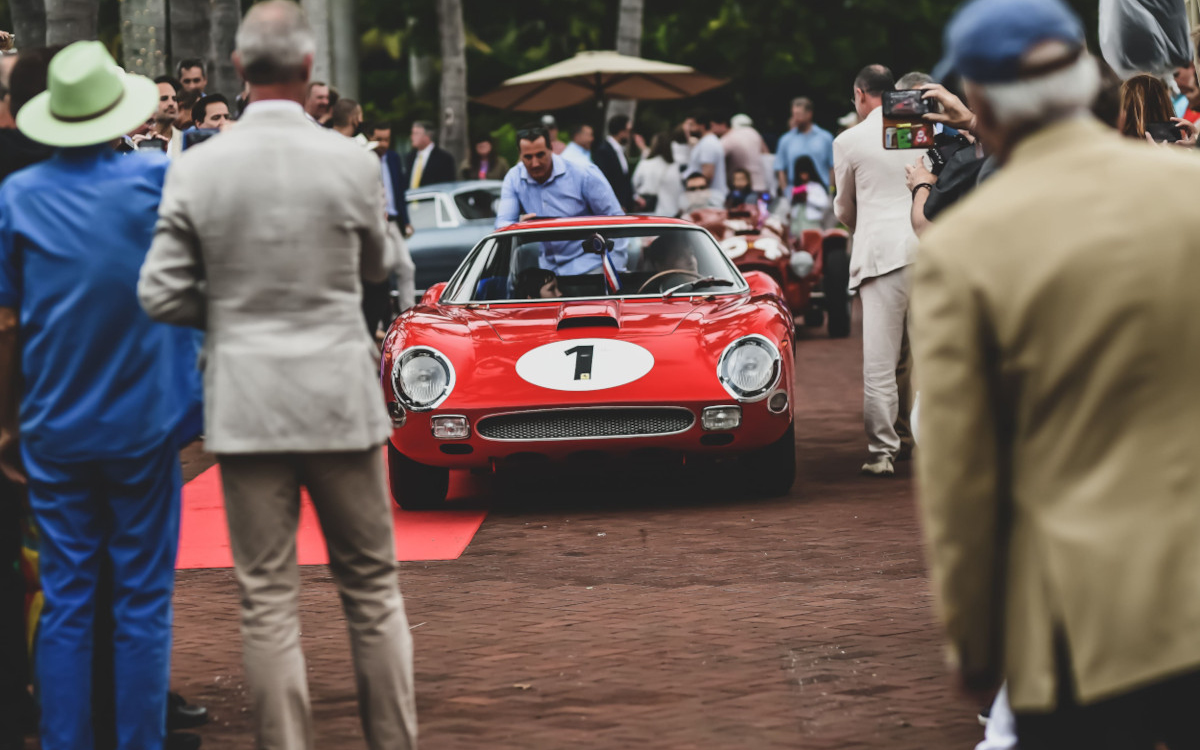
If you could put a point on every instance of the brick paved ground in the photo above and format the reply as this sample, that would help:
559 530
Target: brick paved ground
679 618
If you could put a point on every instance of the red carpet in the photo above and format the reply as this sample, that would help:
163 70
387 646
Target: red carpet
420 535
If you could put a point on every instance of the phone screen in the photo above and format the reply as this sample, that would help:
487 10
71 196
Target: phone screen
153 144
1164 132
905 105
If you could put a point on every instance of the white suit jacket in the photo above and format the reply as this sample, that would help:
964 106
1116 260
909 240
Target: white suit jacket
265 234
872 199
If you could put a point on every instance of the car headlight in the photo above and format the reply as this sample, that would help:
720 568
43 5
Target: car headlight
802 263
749 368
422 378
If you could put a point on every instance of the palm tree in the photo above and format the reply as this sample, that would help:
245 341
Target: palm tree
70 21
223 25
318 15
453 93
629 42
143 35
343 37
189 30
29 22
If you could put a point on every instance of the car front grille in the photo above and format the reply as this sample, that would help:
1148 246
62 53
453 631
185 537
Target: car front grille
575 424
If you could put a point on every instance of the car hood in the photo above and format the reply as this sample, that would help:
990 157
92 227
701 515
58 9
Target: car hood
626 319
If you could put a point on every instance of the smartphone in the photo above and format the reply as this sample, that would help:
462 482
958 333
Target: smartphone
197 135
905 105
1164 132
153 144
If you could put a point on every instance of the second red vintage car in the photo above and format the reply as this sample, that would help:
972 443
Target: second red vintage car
813 269
648 339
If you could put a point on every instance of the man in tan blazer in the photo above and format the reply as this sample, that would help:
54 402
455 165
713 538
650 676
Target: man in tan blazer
1057 351
270 262
874 203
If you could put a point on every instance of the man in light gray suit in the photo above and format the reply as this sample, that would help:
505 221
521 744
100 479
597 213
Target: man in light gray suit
270 262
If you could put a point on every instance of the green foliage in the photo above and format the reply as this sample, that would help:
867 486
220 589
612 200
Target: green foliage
769 51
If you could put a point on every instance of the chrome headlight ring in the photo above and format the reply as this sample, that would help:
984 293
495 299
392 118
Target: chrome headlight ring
422 378
749 374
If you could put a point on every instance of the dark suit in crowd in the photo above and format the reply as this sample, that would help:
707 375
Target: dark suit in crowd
605 157
440 167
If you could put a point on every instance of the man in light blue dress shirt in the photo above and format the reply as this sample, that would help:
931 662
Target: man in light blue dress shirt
548 186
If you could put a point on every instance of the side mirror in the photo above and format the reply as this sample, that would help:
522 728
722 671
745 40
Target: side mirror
433 293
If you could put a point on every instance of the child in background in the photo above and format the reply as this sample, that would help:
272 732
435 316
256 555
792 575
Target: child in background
740 193
810 199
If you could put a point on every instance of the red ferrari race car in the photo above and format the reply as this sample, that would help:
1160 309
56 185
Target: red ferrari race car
813 270
648 341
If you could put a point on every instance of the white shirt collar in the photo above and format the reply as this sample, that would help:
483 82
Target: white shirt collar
427 150
276 105
620 153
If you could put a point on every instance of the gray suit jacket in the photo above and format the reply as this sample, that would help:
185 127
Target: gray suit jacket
263 238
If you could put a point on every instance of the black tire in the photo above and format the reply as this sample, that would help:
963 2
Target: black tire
837 292
814 318
416 486
771 471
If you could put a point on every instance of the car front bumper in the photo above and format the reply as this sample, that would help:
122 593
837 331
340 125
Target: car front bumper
559 433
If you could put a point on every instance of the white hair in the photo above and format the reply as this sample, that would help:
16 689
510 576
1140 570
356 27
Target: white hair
1045 98
273 42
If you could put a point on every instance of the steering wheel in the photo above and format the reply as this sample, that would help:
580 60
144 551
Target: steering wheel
668 272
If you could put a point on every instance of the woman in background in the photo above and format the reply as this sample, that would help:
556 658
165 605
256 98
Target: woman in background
1145 102
484 163
657 179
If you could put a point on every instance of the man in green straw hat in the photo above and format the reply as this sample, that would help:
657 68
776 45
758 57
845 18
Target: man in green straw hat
95 388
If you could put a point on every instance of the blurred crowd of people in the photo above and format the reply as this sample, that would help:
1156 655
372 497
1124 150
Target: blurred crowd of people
1027 274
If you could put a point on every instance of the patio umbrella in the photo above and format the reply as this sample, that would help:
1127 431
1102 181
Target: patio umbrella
600 76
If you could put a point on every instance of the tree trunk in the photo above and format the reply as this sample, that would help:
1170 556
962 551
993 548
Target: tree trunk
190 32
343 37
453 93
143 35
629 42
71 20
224 17
318 16
29 22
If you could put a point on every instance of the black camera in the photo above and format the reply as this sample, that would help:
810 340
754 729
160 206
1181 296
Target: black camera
944 147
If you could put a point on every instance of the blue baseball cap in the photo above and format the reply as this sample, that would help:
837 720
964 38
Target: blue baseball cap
986 39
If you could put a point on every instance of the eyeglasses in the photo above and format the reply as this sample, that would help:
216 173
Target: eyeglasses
697 188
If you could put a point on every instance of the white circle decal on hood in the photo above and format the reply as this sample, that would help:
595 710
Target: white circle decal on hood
584 364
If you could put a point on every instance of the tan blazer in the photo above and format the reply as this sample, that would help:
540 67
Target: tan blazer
872 199
264 236
1057 341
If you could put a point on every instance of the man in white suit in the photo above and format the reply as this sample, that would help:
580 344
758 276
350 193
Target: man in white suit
873 201
270 263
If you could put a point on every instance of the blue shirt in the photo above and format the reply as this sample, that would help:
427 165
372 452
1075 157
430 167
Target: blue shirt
101 380
817 144
571 190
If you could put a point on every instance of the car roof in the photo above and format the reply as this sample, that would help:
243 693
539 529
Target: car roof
453 187
594 221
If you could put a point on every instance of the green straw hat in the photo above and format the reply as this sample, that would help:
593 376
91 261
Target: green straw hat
89 100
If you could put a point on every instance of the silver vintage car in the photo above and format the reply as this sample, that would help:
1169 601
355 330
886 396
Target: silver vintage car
450 218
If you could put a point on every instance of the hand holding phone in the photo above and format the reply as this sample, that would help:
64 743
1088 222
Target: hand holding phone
1164 132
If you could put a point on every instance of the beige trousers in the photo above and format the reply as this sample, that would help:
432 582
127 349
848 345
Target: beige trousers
887 363
262 503
405 269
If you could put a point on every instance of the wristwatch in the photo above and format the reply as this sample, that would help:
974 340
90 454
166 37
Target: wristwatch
922 185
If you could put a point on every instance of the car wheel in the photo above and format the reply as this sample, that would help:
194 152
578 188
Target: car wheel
837 292
814 318
771 471
416 486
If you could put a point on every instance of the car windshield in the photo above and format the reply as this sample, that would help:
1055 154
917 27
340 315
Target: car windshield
478 204
653 261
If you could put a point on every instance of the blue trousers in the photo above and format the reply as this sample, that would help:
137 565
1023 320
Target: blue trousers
123 512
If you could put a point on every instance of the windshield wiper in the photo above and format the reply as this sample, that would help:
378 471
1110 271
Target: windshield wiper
707 281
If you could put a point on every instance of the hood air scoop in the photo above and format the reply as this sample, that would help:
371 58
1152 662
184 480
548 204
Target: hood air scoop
589 315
